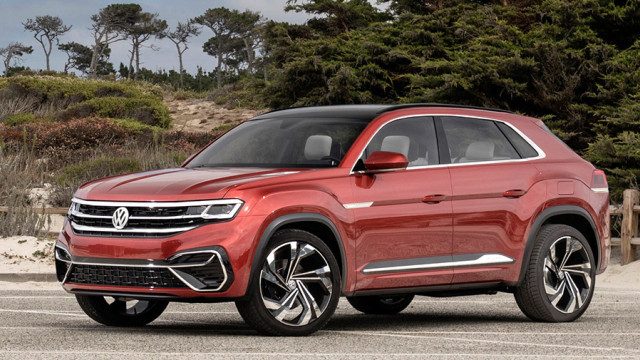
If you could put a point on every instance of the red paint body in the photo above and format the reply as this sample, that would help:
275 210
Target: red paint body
444 210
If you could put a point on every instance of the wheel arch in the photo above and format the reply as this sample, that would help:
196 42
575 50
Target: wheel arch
317 224
571 215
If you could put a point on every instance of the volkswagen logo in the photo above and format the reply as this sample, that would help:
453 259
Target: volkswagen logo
120 218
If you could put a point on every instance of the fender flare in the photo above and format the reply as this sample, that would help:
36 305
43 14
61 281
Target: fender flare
542 218
278 223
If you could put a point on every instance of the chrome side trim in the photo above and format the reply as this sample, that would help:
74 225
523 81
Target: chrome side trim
541 154
359 205
600 190
130 231
436 263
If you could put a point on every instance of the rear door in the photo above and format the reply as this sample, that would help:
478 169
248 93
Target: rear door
491 179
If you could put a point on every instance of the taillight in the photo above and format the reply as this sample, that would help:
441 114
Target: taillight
599 181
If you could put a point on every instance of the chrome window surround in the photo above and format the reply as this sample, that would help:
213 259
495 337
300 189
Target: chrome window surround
541 154
74 211
215 256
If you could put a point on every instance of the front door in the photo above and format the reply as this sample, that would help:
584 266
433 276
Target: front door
403 226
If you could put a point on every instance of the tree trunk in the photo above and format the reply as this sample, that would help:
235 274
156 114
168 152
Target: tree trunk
219 67
181 68
249 51
135 77
94 60
131 63
7 61
47 54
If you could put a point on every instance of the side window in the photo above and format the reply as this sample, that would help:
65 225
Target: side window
474 140
415 138
522 146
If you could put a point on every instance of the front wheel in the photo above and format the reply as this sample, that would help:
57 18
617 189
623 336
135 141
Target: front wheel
560 278
297 287
121 311
380 304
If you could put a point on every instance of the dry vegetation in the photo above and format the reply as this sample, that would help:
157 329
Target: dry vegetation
59 132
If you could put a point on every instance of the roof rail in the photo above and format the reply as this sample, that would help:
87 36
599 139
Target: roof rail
413 105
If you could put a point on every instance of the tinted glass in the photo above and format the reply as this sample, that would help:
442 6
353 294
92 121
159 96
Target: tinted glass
281 143
413 137
475 140
522 146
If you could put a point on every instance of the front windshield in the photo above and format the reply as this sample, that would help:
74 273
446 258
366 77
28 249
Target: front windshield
282 143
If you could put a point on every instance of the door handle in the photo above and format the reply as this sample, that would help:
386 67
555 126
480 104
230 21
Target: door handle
434 199
513 193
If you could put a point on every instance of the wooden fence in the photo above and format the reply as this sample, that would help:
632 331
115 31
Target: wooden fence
629 210
629 239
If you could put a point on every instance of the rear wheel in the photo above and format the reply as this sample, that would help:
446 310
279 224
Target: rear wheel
297 287
559 282
380 304
120 311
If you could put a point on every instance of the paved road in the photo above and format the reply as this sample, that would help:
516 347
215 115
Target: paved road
48 324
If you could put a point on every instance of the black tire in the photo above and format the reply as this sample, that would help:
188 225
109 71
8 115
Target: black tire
557 287
380 305
118 313
312 297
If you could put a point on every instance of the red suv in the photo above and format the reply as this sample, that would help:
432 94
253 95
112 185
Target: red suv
292 209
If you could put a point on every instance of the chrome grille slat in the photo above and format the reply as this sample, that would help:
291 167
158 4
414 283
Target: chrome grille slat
145 219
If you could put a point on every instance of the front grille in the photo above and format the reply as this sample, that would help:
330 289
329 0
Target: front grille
133 211
145 219
140 223
123 276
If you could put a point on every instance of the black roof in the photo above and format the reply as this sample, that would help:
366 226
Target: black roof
362 112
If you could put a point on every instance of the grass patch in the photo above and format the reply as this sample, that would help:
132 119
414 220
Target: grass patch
20 118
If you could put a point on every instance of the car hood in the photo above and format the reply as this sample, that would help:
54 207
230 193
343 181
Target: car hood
174 184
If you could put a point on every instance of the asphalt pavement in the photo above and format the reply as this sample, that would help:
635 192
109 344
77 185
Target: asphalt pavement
48 324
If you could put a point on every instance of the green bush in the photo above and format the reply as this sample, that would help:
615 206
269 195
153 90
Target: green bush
188 94
89 89
98 168
68 98
21 118
146 110
135 127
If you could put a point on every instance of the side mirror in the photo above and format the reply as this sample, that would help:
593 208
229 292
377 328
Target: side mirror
380 161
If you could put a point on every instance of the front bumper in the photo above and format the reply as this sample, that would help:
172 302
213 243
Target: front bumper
209 262
201 270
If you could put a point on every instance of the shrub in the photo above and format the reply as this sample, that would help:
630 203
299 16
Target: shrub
146 110
20 118
134 127
188 94
67 98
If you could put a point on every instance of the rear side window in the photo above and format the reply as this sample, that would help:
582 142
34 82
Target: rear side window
476 140
522 146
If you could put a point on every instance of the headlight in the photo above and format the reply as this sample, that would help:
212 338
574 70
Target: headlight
221 209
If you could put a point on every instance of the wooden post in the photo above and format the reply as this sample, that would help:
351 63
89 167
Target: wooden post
629 224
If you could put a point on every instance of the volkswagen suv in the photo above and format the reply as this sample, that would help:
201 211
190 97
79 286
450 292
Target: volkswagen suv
292 209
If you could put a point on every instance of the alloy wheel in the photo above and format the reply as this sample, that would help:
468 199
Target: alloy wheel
567 274
296 283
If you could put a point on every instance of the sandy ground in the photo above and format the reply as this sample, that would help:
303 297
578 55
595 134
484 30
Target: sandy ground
204 115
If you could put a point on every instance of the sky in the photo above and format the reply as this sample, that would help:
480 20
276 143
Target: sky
77 13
